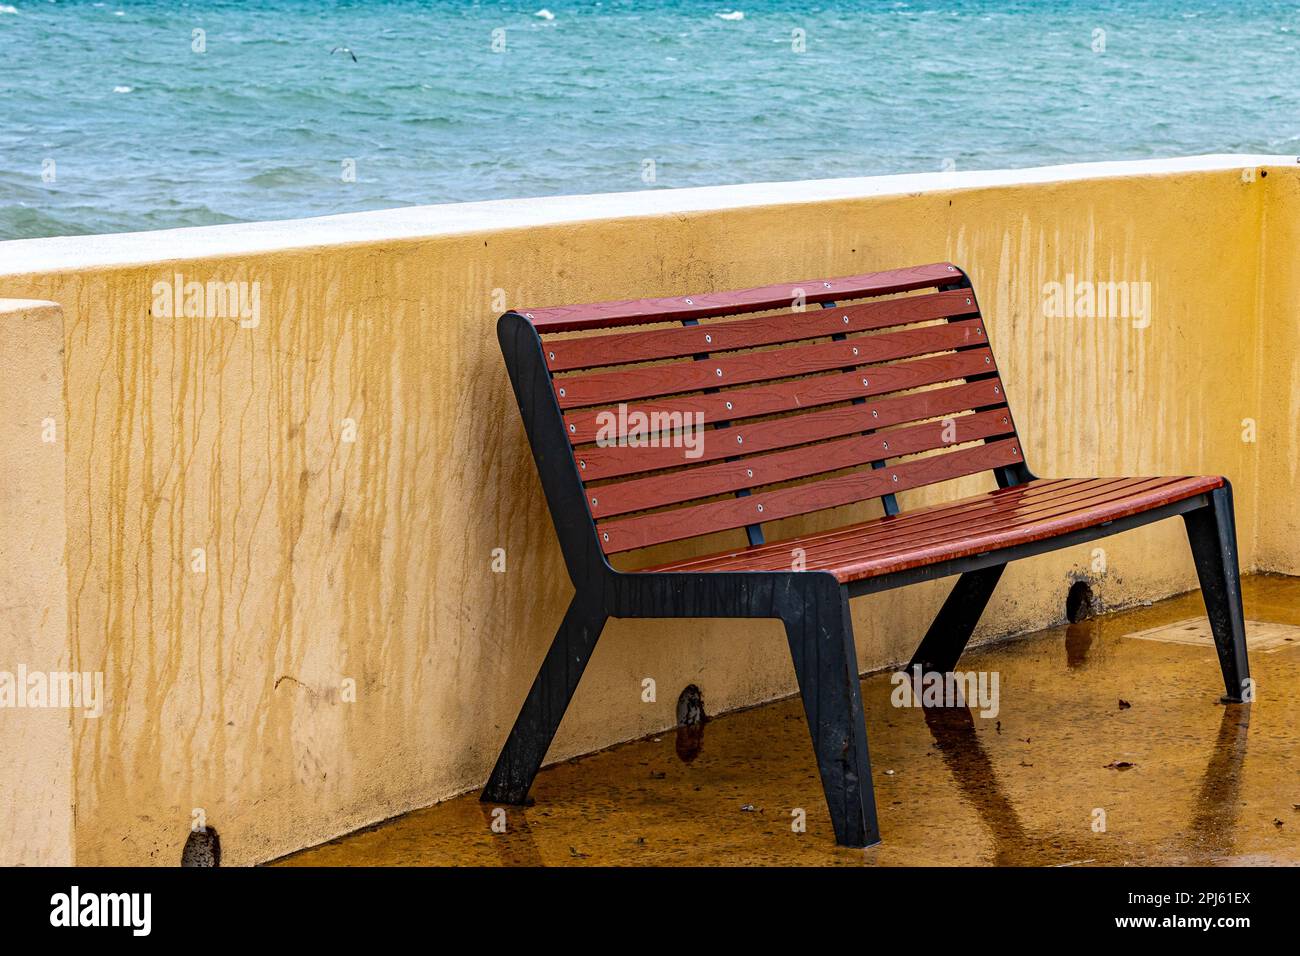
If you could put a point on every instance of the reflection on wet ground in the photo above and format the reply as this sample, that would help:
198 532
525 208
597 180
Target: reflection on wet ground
1104 751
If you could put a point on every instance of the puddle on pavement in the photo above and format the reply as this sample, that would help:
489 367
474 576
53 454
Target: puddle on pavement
1104 751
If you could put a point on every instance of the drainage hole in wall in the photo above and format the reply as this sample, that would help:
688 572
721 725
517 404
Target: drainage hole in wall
690 723
1080 604
202 848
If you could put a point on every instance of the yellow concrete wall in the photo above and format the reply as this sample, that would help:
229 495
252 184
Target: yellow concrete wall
1277 399
36 796
329 562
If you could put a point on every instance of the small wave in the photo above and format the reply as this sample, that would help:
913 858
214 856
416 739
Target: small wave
430 122
283 176
4 8
123 89
20 221
544 14
731 15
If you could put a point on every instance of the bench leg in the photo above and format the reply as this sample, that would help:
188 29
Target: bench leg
955 623
540 717
1213 535
820 633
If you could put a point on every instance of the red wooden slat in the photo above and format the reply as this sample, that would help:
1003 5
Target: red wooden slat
599 315
565 355
991 540
946 522
615 461
626 534
602 388
584 425
640 494
776 554
1023 513
964 523
899 535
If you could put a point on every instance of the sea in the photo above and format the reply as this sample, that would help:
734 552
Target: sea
123 116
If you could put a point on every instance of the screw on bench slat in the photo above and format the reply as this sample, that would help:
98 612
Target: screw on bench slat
888 502
753 532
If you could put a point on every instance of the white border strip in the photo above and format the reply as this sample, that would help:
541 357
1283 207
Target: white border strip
66 253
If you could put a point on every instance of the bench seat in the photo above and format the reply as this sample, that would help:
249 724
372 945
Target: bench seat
1033 511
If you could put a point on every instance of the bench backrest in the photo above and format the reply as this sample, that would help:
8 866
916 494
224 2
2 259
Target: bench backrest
687 416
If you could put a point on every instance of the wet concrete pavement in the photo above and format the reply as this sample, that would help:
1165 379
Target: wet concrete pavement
1106 750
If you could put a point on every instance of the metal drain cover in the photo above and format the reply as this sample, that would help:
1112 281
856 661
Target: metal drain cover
1262 636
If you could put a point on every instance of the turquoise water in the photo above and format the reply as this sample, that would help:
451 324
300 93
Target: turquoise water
140 131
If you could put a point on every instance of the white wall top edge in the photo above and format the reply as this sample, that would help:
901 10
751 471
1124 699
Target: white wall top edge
65 253
11 306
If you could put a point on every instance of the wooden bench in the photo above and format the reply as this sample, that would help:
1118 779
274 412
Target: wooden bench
829 393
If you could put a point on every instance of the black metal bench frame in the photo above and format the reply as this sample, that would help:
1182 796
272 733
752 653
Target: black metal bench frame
813 606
